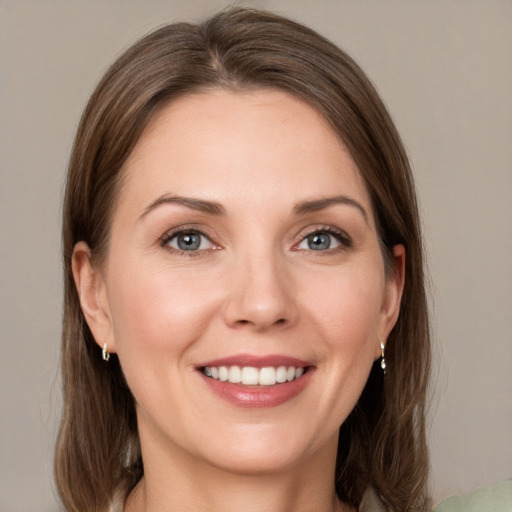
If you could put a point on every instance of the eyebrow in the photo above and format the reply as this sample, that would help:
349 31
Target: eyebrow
214 208
315 205
200 205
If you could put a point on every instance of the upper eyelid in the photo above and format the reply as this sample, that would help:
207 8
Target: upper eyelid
324 229
185 228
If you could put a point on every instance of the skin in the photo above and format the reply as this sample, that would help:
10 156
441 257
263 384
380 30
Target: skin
255 286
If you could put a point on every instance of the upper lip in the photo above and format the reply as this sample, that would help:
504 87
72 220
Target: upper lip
257 361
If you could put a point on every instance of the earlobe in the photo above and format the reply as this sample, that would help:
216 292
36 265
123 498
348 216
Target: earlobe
91 290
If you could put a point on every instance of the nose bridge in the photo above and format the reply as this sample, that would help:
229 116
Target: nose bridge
261 290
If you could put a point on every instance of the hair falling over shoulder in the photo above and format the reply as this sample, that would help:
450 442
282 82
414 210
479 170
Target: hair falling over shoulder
382 444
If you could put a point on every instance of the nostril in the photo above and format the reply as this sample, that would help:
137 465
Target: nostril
243 322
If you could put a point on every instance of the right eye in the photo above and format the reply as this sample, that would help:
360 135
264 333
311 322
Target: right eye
188 241
325 239
319 241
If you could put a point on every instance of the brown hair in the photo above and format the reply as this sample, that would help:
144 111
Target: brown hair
382 442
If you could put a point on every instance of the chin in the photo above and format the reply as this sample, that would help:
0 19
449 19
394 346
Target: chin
249 463
265 450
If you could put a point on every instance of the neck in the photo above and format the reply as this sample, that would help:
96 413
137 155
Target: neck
251 495
192 485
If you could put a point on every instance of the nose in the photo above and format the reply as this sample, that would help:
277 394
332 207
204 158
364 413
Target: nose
261 295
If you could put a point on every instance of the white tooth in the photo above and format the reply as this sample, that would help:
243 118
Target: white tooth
290 373
267 376
299 372
235 374
281 374
249 376
207 371
223 374
215 372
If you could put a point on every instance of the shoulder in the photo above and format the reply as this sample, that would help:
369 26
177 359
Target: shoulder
117 503
371 502
497 498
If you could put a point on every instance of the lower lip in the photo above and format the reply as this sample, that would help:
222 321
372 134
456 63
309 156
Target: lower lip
258 396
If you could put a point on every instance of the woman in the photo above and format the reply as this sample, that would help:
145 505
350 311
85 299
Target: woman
245 321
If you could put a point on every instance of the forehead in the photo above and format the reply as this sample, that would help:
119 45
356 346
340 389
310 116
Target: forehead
223 145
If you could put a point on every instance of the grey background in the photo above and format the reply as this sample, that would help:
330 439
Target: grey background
445 70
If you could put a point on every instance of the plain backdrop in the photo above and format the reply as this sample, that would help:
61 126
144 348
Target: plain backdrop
444 68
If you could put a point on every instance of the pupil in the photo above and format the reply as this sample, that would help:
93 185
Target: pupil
189 241
319 242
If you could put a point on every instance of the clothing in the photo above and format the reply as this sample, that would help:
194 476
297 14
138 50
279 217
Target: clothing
497 498
371 502
117 504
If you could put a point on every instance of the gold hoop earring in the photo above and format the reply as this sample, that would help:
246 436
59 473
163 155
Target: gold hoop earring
104 353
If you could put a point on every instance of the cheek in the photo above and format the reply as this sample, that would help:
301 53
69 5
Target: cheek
158 311
158 316
348 307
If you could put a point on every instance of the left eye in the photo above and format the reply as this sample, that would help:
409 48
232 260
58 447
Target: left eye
189 241
320 241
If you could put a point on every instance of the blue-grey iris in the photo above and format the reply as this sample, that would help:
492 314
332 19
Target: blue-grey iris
189 241
319 241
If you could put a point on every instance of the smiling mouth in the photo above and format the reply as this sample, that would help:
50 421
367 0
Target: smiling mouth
252 376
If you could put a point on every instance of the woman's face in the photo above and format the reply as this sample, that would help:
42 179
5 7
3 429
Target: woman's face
243 246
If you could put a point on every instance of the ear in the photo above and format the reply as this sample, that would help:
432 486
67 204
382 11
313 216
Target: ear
392 296
92 293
